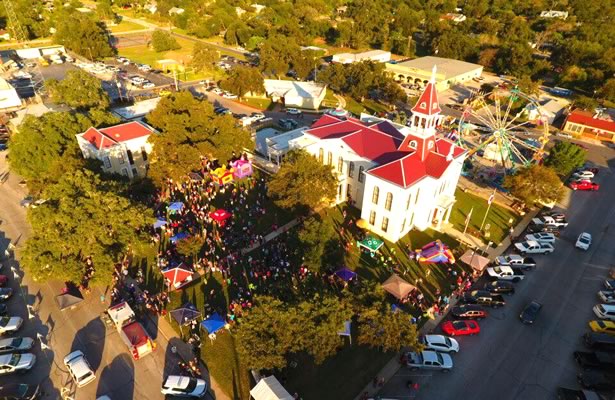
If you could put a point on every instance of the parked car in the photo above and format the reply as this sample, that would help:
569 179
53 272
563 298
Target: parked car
3 280
257 116
607 296
483 298
599 341
440 343
461 327
184 386
605 311
79 368
541 237
574 394
505 273
584 185
3 309
596 380
555 230
499 287
534 248
10 324
16 345
530 312
228 95
429 360
549 220
16 362
5 293
609 284
583 241
602 327
597 359
515 260
583 175
469 311
149 85
20 391
293 111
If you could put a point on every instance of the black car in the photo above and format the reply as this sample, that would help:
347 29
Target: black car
599 341
499 287
530 312
5 293
19 391
596 380
468 311
483 298
3 309
574 394
544 229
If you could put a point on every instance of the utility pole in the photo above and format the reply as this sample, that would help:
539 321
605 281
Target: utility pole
491 198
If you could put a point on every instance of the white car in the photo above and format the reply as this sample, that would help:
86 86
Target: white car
16 362
533 247
293 111
145 68
584 241
228 95
79 368
184 386
256 116
218 91
148 85
10 324
541 237
583 175
441 343
16 345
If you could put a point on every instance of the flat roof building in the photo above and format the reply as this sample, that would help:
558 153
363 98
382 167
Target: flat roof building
372 55
449 72
296 94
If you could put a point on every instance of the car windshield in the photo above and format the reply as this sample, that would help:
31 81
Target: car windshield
4 321
601 324
448 342
85 376
16 342
15 359
440 359
191 386
458 324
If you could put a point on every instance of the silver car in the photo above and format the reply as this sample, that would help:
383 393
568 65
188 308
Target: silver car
16 345
16 362
10 324
441 343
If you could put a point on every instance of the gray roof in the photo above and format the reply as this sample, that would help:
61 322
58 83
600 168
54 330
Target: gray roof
446 66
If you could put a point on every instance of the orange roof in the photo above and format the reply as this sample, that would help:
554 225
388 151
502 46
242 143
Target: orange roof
586 118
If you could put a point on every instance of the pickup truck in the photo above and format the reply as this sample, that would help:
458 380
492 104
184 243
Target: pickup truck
597 360
548 220
483 298
515 260
505 273
428 359
533 247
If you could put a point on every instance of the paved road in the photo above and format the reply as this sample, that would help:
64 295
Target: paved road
509 360
117 374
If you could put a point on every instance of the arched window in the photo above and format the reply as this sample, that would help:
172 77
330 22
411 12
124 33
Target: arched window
372 217
351 169
361 169
385 224
389 200
321 155
340 164
375 194
330 158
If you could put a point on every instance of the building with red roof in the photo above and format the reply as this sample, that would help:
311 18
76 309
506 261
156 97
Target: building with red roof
595 126
401 177
122 149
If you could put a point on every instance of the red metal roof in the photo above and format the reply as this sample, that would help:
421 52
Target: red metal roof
428 104
97 139
410 169
108 137
586 118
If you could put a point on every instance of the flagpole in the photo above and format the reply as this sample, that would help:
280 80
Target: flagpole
468 220
491 198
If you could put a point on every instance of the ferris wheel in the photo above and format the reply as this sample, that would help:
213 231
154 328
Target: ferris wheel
495 125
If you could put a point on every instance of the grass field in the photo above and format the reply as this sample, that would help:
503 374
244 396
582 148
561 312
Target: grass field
261 104
124 26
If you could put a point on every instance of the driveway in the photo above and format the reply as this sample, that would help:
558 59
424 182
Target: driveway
509 360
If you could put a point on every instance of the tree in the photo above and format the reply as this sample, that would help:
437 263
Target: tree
608 90
84 216
46 148
276 55
203 57
586 103
302 181
79 90
528 86
314 235
163 41
105 11
381 328
243 80
189 129
83 35
535 183
191 247
564 157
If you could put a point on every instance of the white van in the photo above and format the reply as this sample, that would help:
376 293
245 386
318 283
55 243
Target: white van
605 311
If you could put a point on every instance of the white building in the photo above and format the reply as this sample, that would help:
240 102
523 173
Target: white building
450 72
400 177
123 149
372 55
138 110
296 94
9 99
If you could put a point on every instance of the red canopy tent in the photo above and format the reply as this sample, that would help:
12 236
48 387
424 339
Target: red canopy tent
177 277
220 216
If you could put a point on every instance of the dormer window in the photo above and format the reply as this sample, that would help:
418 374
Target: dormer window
434 106
430 145
413 144
423 105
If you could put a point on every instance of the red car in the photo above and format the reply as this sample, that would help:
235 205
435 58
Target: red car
467 327
3 280
584 185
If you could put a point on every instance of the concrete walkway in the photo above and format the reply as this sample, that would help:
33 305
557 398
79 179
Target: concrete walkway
271 235
391 367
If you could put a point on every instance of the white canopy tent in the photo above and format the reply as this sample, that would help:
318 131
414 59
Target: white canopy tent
270 388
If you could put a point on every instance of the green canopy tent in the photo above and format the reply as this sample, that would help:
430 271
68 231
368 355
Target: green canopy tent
370 243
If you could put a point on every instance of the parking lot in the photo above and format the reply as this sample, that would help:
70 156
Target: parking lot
510 360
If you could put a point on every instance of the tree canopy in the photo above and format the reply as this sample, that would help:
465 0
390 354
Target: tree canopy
164 41
189 130
243 80
79 90
318 237
83 35
302 182
84 216
535 183
564 157
203 57
379 327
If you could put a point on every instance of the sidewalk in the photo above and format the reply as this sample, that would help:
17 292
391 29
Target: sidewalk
271 235
391 368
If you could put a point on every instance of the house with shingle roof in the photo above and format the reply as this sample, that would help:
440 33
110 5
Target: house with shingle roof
123 149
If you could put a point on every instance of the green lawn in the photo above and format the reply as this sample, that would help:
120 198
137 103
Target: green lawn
353 106
498 217
125 26
261 104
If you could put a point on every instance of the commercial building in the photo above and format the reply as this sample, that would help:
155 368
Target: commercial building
9 99
123 149
307 95
600 126
372 55
449 72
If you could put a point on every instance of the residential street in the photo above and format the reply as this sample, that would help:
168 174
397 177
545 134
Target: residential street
81 328
509 360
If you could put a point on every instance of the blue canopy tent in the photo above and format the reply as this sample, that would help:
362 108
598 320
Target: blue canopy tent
175 207
214 323
159 223
345 274
178 237
186 313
